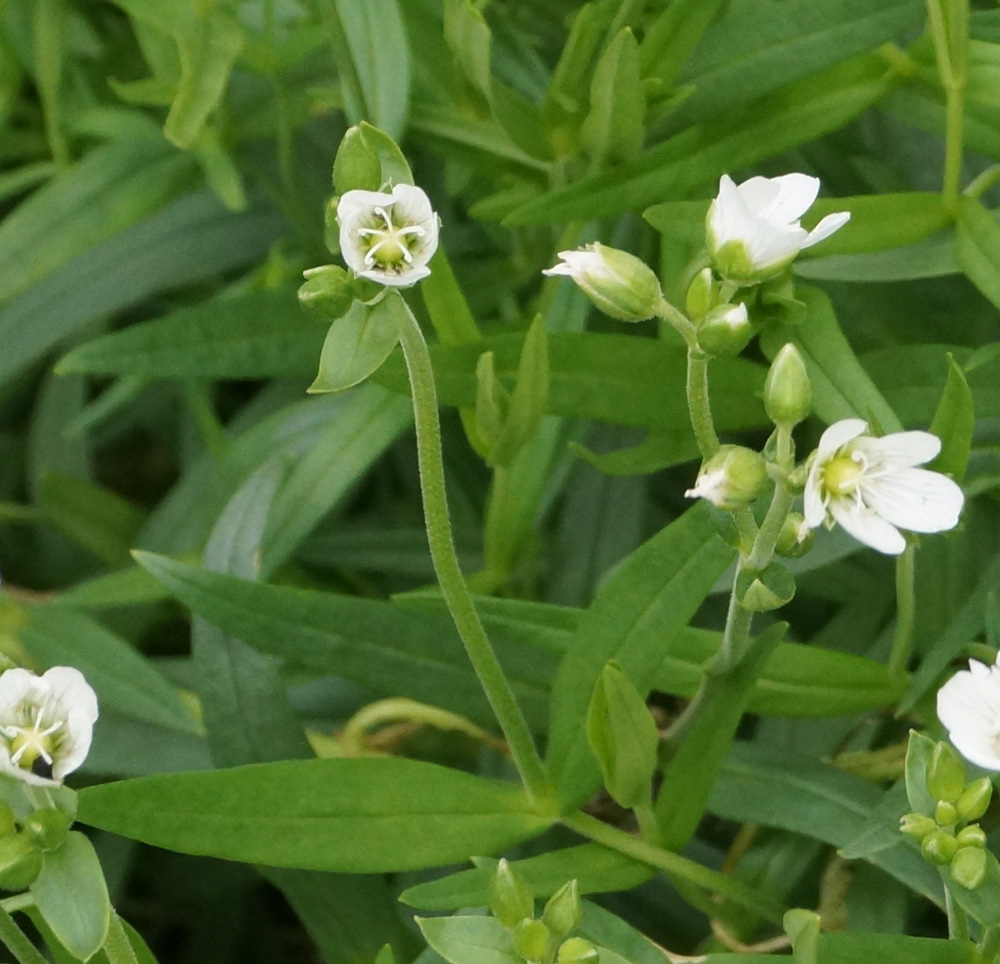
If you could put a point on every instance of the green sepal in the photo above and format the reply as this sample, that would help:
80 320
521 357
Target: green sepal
48 828
563 912
975 799
969 867
386 955
357 344
945 773
327 293
765 590
623 736
510 899
531 939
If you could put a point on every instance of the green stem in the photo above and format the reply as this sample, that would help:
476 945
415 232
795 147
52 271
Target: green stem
902 640
958 921
673 864
770 530
954 133
649 827
989 946
449 573
981 183
700 405
16 942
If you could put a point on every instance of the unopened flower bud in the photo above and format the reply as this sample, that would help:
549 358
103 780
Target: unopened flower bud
971 836
787 392
945 773
975 799
531 939
945 814
725 330
327 293
730 479
795 538
563 912
617 282
968 867
939 847
577 951
702 295
20 862
764 590
48 828
917 826
510 900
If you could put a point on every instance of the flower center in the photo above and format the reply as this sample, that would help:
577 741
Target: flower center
31 746
389 245
841 474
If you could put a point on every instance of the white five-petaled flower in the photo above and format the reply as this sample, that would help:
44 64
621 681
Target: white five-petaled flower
46 723
753 228
872 488
969 707
388 238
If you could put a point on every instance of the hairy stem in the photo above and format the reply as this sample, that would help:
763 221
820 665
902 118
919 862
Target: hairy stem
449 573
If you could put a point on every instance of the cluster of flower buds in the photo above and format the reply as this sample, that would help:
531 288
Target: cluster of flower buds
949 836
24 842
545 939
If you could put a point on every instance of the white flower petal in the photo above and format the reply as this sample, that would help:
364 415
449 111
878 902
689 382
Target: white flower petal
827 226
915 499
774 245
728 216
867 527
75 695
358 204
901 449
838 434
412 203
759 194
812 497
796 193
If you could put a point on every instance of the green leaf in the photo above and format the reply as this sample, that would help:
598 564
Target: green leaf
125 682
257 335
623 736
469 39
672 36
953 423
72 898
693 159
977 245
841 387
847 948
613 130
983 903
368 159
357 344
469 940
649 598
353 815
918 757
596 869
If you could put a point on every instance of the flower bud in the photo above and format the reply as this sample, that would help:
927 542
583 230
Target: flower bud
762 591
916 825
617 282
945 814
968 867
975 799
795 538
972 836
531 939
730 479
945 773
563 912
939 847
725 330
327 292
787 392
48 828
702 295
510 900
577 951
20 862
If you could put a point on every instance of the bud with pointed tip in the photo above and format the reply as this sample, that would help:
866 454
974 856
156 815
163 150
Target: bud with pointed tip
563 912
510 900
730 479
327 293
917 825
975 799
787 392
617 282
702 295
969 867
945 773
725 330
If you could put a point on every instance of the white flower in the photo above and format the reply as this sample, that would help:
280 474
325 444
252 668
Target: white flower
753 228
969 707
46 723
870 486
388 238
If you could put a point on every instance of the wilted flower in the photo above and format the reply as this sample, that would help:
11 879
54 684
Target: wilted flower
388 238
617 282
969 707
46 723
870 486
731 478
753 228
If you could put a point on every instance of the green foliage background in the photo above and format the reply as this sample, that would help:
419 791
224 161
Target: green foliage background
164 179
